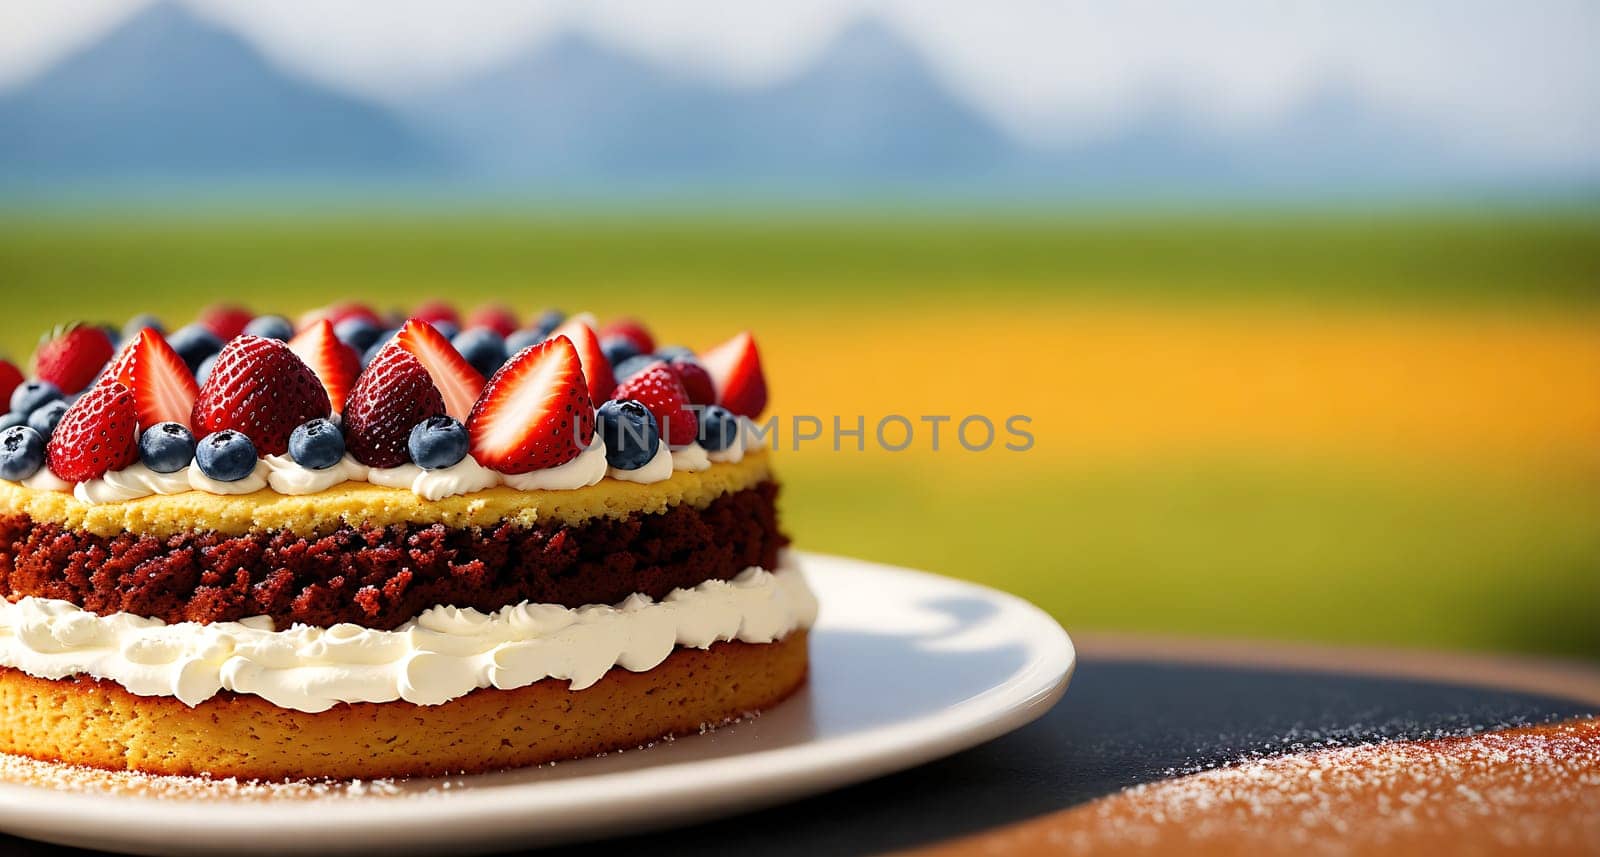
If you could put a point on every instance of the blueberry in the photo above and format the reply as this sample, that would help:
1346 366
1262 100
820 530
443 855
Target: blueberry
194 343
521 339
270 327
670 353
437 443
719 428
203 371
29 397
448 328
45 418
13 419
358 333
482 347
549 320
617 349
226 456
317 445
632 366
21 453
166 447
630 434
140 322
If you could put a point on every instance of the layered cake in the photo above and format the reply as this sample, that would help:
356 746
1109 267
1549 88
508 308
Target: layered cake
360 547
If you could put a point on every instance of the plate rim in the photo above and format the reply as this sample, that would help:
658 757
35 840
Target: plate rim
784 772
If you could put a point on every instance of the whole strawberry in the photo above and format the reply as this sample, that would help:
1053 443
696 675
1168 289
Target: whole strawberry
98 434
259 388
657 388
390 397
70 357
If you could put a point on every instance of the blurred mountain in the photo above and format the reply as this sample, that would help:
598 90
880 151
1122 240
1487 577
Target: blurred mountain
867 106
169 95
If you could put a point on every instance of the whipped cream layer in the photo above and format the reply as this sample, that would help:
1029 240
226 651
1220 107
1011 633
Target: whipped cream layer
284 475
442 654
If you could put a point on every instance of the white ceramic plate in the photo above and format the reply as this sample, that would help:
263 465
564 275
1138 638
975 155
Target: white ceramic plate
906 667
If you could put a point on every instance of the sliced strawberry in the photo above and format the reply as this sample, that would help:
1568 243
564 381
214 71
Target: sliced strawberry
457 381
657 388
696 381
735 366
335 363
162 385
226 320
99 433
71 356
390 397
535 412
10 379
260 388
432 311
596 368
632 330
497 317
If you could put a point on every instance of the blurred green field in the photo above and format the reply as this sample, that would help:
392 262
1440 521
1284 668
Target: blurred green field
1490 540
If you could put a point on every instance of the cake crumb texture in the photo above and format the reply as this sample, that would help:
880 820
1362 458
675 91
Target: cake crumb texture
86 721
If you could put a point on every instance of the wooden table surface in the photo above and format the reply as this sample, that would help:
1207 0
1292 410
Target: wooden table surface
1140 710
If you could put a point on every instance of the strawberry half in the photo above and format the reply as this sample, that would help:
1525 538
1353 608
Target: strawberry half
98 434
496 317
632 330
657 388
735 366
260 388
457 381
535 412
226 320
390 397
163 387
335 363
596 368
71 356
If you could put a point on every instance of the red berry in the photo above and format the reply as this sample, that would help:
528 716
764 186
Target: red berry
10 379
226 320
457 381
496 317
70 357
658 389
390 397
339 312
163 388
632 330
335 363
535 412
596 368
98 434
432 311
735 366
696 381
258 387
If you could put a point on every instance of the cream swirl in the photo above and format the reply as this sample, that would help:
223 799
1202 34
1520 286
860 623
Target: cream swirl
691 457
463 477
130 483
657 469
288 476
443 654
399 476
46 480
585 470
254 481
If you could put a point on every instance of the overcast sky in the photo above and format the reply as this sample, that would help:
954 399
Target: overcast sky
1520 77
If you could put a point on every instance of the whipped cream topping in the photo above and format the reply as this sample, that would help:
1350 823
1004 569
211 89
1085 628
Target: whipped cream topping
657 469
45 480
692 457
250 484
130 483
444 653
734 452
463 477
287 476
581 472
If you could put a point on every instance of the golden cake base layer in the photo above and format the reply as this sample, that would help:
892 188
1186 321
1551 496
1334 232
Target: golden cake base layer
86 721
359 503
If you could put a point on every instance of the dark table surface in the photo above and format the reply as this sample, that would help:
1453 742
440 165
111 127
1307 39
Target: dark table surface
1125 720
